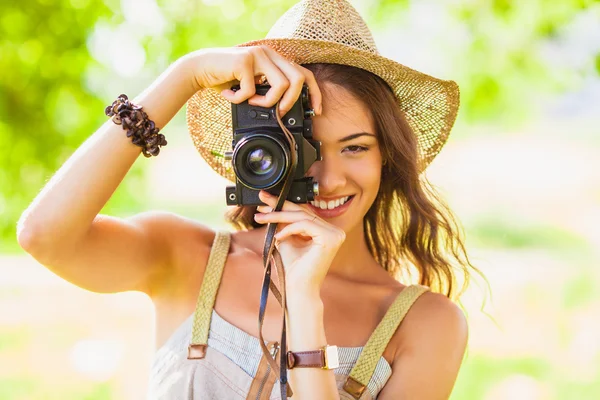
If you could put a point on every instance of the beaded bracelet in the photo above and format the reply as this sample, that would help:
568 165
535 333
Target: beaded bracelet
139 127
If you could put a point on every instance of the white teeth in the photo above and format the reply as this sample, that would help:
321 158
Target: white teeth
330 205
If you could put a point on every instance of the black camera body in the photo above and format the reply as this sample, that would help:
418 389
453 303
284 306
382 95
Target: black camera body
261 156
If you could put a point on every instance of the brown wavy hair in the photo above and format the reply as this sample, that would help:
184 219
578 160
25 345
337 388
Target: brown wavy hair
408 228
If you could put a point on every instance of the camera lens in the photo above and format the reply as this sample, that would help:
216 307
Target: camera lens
260 161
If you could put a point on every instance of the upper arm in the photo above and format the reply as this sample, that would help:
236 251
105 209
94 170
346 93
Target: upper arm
433 339
119 255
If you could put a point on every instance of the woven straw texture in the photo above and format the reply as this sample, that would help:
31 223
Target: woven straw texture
366 363
209 288
332 31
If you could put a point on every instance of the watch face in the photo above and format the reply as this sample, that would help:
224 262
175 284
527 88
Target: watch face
332 360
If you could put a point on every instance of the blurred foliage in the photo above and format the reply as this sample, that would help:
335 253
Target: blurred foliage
16 338
579 290
505 67
501 231
504 53
520 378
63 60
30 388
45 111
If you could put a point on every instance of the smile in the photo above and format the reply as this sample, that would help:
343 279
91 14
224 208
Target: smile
331 208
331 204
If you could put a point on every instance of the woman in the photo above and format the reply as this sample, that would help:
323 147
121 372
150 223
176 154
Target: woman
380 124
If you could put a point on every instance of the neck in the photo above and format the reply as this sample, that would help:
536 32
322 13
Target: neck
353 260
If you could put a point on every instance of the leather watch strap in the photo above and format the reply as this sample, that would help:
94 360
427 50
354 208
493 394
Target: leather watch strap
326 358
306 359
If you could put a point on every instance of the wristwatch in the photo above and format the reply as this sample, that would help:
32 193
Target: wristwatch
325 358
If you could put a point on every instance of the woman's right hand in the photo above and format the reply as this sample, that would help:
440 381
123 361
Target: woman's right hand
221 68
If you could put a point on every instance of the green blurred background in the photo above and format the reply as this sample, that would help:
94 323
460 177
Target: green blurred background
521 170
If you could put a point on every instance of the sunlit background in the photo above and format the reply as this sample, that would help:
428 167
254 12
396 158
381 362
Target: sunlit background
521 170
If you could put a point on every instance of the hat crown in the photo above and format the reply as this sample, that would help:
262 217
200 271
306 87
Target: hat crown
332 32
325 20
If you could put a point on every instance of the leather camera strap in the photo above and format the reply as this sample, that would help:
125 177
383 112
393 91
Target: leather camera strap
271 256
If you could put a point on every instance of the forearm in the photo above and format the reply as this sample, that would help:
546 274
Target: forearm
306 332
66 207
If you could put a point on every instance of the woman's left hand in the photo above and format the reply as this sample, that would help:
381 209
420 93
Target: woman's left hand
307 243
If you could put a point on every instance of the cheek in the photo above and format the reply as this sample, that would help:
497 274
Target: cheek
367 173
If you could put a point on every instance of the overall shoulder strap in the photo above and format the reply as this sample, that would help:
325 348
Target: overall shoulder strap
208 294
369 357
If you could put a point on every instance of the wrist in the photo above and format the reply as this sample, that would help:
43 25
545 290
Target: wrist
303 298
305 326
190 64
167 94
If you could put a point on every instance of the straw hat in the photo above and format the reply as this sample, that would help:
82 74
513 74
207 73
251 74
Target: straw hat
331 31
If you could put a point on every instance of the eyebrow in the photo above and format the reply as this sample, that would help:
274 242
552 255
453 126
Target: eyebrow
354 136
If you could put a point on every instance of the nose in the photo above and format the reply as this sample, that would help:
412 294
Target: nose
329 174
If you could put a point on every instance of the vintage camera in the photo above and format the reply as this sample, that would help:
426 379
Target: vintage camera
261 156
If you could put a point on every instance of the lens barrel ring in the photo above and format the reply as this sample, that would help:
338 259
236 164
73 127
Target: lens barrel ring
266 143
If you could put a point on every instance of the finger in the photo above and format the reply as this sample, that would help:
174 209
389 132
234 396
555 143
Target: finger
304 228
247 87
316 98
276 78
295 76
286 217
264 209
271 201
291 95
321 234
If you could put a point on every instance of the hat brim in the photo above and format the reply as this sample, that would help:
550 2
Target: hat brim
430 105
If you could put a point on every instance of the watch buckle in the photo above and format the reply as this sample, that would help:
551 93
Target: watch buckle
332 360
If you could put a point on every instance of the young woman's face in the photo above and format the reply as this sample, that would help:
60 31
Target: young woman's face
351 164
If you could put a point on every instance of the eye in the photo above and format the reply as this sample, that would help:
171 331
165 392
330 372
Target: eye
354 149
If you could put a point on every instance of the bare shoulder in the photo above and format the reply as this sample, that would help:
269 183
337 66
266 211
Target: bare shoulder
187 242
431 342
437 315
